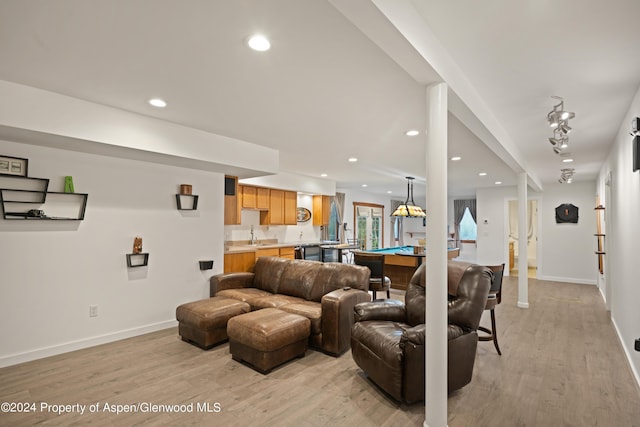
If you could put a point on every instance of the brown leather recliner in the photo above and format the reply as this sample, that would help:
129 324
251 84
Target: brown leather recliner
387 340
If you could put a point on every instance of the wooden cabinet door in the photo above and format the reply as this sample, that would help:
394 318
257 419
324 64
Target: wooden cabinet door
262 198
321 207
290 205
288 252
276 207
239 262
249 197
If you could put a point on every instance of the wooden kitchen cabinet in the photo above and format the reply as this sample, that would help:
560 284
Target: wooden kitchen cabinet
290 208
239 262
288 252
267 252
254 197
321 210
282 208
231 204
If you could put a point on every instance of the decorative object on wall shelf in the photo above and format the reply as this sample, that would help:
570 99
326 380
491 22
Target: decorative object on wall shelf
187 202
303 214
68 184
14 166
206 265
137 245
137 260
185 189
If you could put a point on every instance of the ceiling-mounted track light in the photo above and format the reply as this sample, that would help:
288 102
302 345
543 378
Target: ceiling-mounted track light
558 120
566 176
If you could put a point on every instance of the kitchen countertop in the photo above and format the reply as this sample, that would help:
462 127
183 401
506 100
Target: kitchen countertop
239 247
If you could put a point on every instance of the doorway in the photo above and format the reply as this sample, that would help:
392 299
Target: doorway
532 237
369 226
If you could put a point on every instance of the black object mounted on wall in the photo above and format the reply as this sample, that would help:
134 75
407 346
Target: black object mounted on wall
229 186
636 153
635 130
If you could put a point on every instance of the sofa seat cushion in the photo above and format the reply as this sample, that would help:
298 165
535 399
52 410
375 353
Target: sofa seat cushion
309 309
243 294
273 301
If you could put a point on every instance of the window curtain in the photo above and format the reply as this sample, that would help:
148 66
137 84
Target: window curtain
338 199
397 237
459 206
513 219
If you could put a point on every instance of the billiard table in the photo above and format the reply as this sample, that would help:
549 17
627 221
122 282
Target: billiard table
400 263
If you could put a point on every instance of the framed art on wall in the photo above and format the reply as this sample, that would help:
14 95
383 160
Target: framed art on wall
13 166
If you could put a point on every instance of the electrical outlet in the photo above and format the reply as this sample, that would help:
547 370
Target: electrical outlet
93 311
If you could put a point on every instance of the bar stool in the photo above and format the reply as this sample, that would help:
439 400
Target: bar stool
494 298
377 281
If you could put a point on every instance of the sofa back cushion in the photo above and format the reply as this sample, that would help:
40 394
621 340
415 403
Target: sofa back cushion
468 286
335 275
268 272
298 278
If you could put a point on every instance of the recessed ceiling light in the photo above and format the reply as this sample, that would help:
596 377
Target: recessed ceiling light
389 192
364 185
259 42
482 174
567 160
456 158
352 159
412 132
323 175
157 102
498 182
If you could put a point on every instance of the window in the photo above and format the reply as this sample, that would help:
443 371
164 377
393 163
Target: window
468 227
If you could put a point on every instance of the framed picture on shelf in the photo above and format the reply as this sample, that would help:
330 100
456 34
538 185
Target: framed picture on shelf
13 166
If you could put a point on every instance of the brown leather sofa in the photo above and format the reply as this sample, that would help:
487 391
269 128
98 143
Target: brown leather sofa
325 293
388 338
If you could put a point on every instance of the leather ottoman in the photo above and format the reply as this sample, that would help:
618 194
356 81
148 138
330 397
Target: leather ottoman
204 322
268 337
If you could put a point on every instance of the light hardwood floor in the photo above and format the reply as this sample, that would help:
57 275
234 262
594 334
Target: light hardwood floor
561 366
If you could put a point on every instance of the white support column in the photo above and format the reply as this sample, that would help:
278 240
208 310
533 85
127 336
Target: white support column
436 290
523 256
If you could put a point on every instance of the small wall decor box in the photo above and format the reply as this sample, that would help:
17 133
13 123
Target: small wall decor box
186 200
13 166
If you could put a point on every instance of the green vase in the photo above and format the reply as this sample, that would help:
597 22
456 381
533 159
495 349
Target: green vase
68 184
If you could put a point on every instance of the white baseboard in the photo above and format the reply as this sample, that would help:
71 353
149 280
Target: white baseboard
636 374
568 280
27 356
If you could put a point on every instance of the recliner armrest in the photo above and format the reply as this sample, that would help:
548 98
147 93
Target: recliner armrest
337 318
414 335
224 281
390 310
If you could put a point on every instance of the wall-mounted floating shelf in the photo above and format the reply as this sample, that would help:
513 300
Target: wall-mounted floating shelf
137 260
206 265
600 236
27 198
187 202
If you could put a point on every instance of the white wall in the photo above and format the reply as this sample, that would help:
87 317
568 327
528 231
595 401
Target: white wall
566 251
53 270
623 228
569 249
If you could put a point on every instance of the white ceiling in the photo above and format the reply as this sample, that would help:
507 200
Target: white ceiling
340 80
